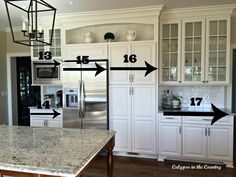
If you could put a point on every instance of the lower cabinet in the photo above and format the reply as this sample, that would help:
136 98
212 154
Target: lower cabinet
46 120
170 139
198 140
132 116
194 141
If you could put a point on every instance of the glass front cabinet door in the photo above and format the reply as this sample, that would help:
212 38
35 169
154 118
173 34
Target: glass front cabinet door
217 47
170 53
55 48
193 47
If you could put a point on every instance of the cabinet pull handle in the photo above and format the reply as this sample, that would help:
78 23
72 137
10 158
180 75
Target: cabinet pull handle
179 81
206 81
169 118
203 81
209 132
180 130
205 131
130 78
130 91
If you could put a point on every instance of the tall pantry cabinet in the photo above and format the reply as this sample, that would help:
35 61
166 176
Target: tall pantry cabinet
132 98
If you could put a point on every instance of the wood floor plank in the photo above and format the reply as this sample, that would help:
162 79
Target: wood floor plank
136 167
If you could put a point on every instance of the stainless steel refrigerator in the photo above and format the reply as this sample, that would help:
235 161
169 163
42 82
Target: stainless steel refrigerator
85 97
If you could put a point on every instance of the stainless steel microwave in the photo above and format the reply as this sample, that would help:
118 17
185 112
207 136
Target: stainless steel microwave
45 72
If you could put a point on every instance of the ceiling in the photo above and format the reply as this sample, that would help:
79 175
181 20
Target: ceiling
70 6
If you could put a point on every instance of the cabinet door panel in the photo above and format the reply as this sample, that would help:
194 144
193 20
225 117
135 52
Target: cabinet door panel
170 51
144 52
220 143
194 141
120 102
116 59
143 102
143 136
217 50
37 122
123 135
193 38
169 139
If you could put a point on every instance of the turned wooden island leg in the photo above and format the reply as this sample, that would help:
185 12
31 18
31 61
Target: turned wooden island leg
110 146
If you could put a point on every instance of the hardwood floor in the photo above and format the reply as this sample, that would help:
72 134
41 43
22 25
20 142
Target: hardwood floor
136 167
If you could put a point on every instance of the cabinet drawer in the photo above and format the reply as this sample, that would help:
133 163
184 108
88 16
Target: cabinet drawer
163 118
228 120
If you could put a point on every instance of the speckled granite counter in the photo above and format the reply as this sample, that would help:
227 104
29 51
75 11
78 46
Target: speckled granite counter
188 111
48 151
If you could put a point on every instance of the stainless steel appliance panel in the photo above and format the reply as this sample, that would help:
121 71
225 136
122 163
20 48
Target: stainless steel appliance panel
71 118
94 99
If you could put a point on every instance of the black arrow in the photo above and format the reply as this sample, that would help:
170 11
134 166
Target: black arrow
56 63
55 114
149 68
98 69
218 114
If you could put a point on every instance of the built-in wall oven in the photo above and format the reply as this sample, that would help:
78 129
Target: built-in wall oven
45 72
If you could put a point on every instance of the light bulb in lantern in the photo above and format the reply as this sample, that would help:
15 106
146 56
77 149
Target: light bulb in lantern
23 26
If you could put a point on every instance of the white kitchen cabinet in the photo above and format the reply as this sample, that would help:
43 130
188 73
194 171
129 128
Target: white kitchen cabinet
42 122
194 141
45 120
143 119
210 141
116 59
120 116
144 51
220 144
169 139
193 52
204 50
55 48
217 50
132 115
170 51
94 51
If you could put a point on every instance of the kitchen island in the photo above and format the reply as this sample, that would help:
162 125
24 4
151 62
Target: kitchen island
44 152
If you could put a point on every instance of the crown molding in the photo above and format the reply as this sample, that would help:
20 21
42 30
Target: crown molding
202 10
137 12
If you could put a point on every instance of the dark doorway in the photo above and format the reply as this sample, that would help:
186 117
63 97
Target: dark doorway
26 94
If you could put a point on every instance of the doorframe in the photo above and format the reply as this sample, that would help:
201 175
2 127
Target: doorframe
9 58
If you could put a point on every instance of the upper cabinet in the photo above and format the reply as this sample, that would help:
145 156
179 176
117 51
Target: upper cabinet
55 48
195 49
144 51
217 50
170 51
193 40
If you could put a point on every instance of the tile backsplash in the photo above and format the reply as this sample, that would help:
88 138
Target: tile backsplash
215 95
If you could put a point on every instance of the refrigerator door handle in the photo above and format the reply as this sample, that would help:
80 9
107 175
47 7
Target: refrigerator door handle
83 100
79 99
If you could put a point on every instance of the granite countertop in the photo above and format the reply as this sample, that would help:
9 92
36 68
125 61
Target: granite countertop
190 111
49 151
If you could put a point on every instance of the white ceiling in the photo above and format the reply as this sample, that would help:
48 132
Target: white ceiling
64 6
